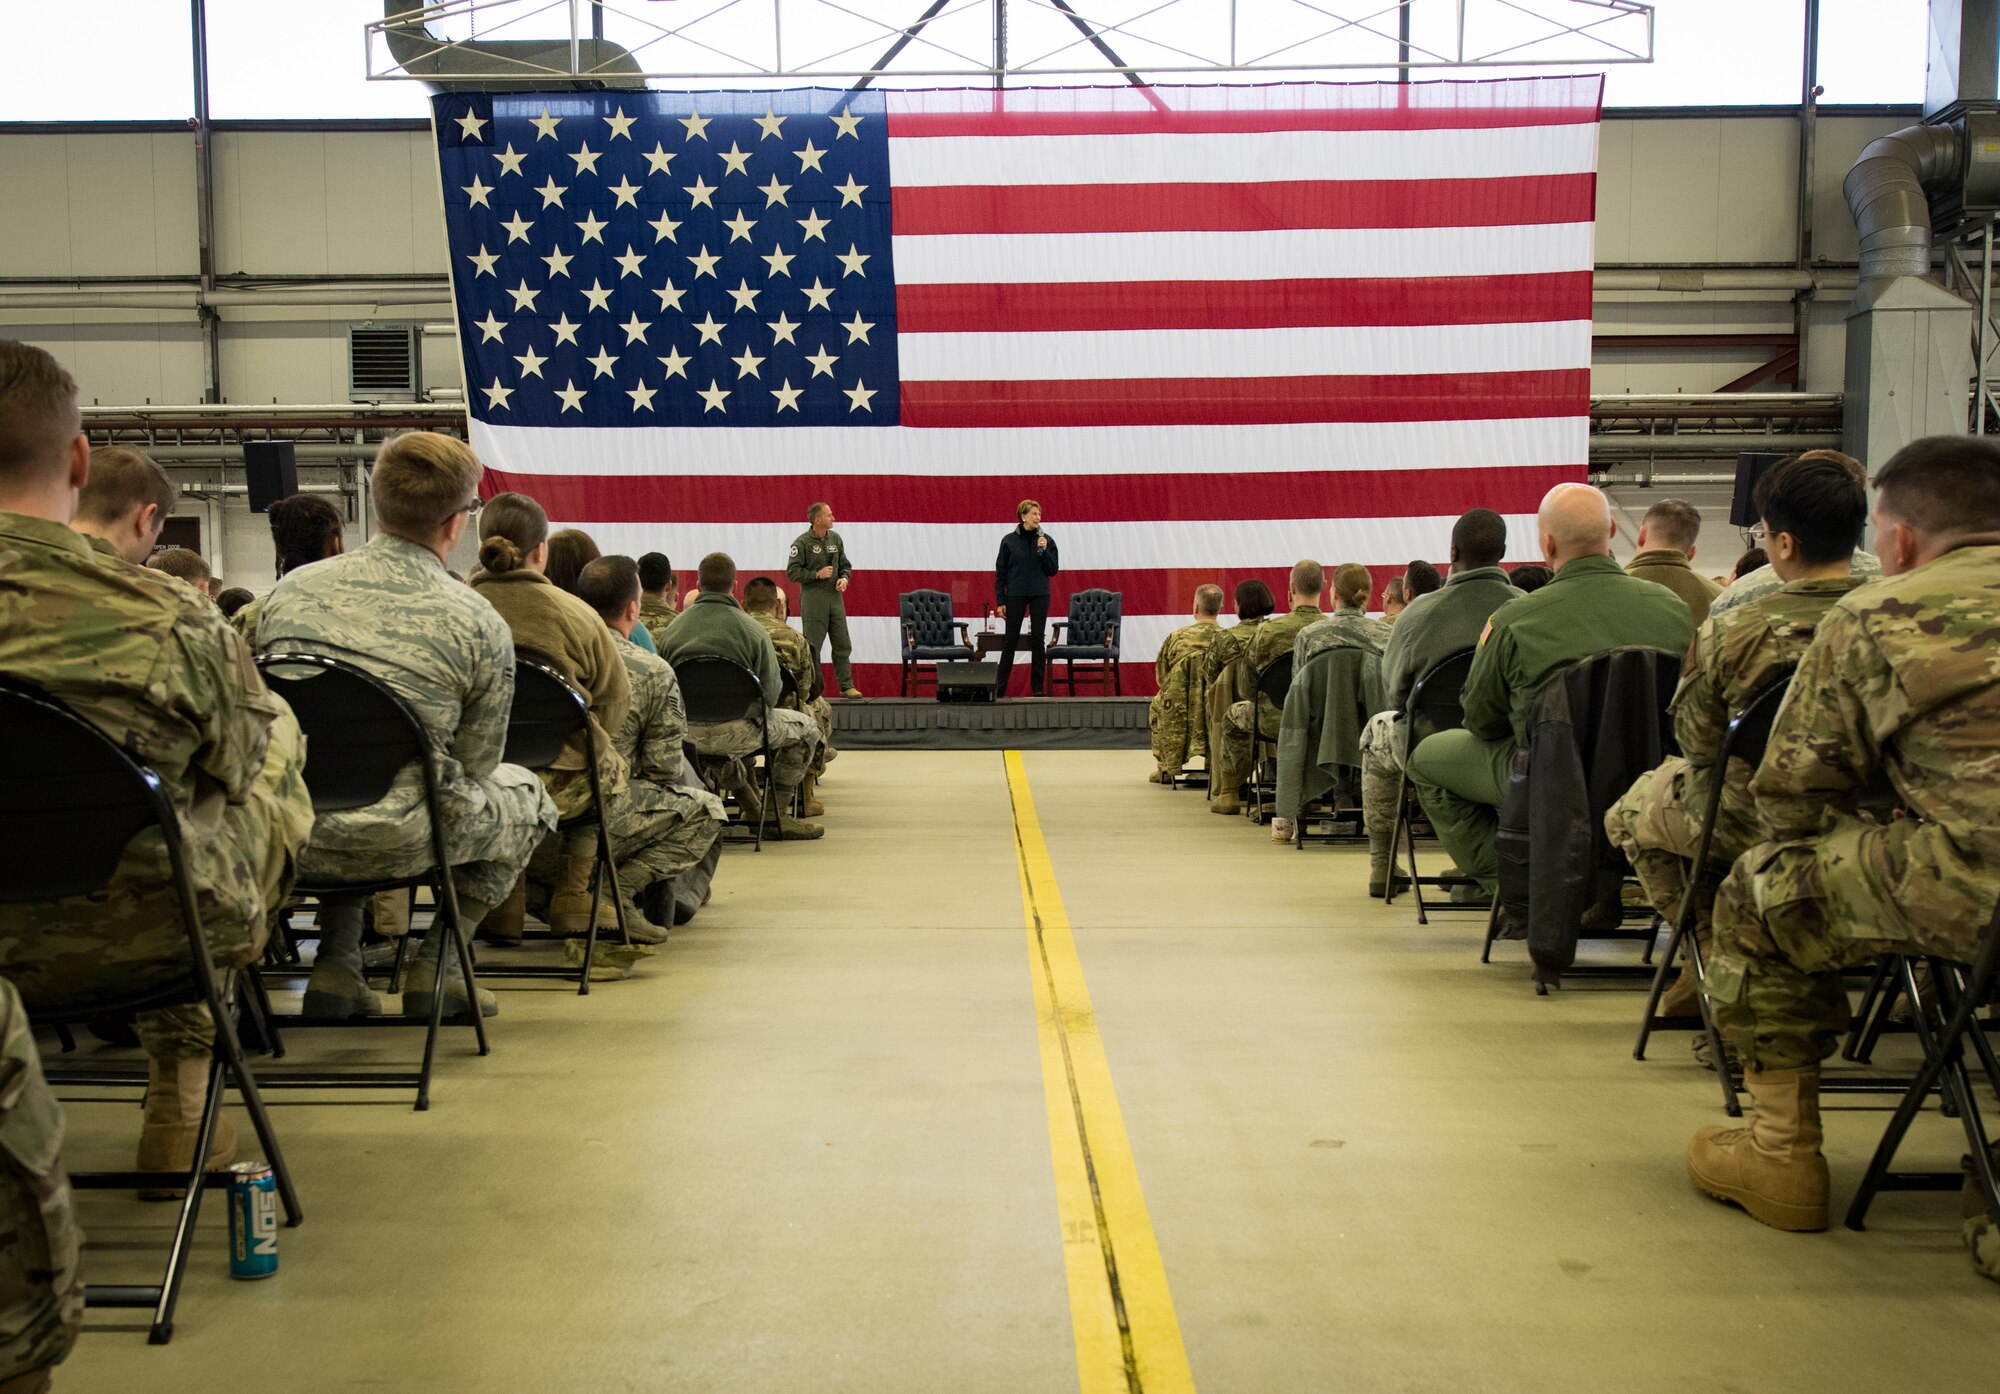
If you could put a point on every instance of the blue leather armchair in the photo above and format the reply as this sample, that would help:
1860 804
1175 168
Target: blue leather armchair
927 636
1095 619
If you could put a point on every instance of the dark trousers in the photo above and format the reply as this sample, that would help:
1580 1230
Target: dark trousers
1021 609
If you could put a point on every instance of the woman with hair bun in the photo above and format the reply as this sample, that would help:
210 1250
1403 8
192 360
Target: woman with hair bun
557 627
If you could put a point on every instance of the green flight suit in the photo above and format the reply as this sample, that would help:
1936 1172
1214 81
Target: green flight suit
822 608
1590 606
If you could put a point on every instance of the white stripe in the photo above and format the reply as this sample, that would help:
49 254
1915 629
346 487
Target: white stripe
1238 544
1234 353
1286 254
834 451
1234 156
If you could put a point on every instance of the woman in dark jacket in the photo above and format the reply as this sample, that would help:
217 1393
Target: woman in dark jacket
1021 589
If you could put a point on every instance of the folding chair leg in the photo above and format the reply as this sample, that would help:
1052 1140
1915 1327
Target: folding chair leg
1492 930
229 1053
1659 989
162 1329
402 961
1732 1103
1878 1020
259 1006
1865 1012
65 1038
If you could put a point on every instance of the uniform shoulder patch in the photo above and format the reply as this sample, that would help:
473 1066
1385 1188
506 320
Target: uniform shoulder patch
795 549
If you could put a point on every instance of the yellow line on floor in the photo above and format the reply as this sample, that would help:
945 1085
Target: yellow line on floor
1128 1340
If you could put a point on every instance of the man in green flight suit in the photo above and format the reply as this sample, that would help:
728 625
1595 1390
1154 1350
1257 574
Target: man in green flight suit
1590 606
819 564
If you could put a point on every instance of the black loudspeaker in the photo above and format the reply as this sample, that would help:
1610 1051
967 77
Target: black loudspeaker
273 469
1750 467
967 682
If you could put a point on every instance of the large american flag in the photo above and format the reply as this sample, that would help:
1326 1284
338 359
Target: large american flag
1214 330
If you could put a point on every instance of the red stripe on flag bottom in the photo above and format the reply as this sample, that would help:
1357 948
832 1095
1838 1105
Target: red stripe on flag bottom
1275 304
917 124
992 499
1247 401
921 210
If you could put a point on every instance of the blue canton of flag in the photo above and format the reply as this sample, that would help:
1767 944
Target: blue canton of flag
672 259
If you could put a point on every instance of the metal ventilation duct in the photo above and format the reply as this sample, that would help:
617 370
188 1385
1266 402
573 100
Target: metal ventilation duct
1889 189
542 63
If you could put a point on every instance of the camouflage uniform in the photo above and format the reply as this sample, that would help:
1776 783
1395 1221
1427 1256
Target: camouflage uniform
1273 639
1175 713
391 608
1903 683
1343 629
41 1288
1764 581
245 622
797 659
656 612
661 827
1734 657
147 660
1227 679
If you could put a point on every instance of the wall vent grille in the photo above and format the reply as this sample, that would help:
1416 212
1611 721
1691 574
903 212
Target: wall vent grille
382 363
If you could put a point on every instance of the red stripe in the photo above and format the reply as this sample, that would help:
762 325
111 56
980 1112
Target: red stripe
1367 302
1246 401
946 499
907 123
1254 207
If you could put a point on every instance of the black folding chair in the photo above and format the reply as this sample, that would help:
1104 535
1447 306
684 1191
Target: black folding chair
1944 1029
360 736
715 690
1749 731
1274 682
71 804
1434 706
549 712
1337 813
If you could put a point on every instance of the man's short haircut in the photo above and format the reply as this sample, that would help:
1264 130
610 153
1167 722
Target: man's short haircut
1254 599
1530 576
301 528
1672 523
1351 584
1943 486
1396 591
1423 578
1479 537
183 562
1752 559
760 593
1816 501
38 411
812 514
1208 598
1021 511
608 585
233 599
717 575
420 479
1308 579
656 573
121 480
570 551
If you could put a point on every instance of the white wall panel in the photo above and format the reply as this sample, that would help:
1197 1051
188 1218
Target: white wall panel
97 205
271 204
118 363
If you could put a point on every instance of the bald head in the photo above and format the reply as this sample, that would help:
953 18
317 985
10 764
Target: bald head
1575 521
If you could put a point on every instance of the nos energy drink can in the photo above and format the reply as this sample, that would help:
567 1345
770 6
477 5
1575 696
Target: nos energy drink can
253 1221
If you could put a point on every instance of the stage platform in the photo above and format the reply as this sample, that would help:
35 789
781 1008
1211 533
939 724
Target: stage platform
1017 723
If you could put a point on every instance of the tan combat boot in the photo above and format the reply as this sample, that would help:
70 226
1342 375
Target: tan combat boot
808 792
786 828
1683 997
1228 802
174 1093
1772 1168
569 907
503 924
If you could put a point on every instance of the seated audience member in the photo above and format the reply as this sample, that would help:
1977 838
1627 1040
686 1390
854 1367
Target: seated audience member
570 551
1530 577
1347 627
1666 544
184 564
1395 595
1421 578
764 602
124 503
1813 512
1901 684
1590 606
660 595
1433 628
666 830
305 528
232 601
153 665
1750 561
41 1280
391 609
1757 584
714 626
1228 677
1175 714
1255 712
569 635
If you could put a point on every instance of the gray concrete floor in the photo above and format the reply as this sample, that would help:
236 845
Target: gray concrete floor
807 1150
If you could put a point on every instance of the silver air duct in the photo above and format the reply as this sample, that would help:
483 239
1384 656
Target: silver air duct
514 65
1886 191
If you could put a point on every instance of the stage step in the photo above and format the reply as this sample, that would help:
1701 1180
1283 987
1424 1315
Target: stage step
1018 723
